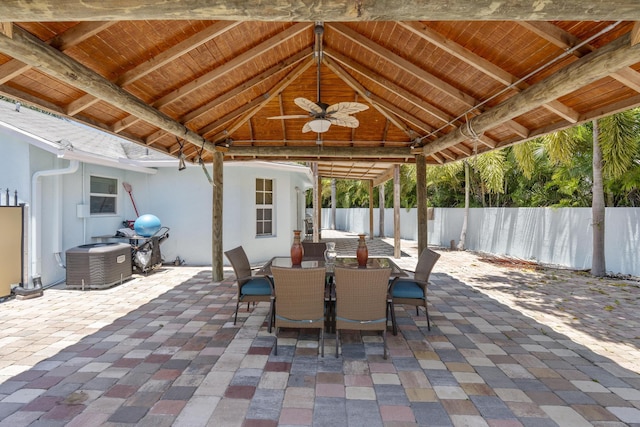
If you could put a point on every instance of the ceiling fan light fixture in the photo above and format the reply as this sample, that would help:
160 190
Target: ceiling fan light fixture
319 125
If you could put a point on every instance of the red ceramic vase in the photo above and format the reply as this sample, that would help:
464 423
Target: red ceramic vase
362 252
297 251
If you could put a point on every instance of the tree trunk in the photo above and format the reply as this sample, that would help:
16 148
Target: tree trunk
598 266
463 233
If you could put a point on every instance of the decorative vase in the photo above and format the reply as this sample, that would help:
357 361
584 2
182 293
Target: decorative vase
362 253
330 253
297 251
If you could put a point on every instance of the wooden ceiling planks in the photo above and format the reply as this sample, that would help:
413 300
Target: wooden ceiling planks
422 80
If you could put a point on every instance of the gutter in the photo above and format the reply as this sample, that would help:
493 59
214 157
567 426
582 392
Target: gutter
82 156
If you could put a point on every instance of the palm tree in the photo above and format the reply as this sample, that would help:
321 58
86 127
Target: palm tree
598 264
615 146
465 219
490 168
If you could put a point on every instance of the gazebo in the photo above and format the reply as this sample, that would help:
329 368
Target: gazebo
222 81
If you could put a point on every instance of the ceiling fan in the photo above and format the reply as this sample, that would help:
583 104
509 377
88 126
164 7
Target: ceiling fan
324 115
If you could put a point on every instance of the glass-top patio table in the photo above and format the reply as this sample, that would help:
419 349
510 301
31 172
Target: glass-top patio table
330 294
372 262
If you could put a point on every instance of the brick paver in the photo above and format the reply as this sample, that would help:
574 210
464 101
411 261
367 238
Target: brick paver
509 346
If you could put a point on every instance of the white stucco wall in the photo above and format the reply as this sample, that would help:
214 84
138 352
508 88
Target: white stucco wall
14 165
181 199
183 202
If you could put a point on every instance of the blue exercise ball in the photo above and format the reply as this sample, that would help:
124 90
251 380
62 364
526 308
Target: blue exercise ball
147 225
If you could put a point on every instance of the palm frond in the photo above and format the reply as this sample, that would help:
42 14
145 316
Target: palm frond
619 142
560 146
491 167
525 157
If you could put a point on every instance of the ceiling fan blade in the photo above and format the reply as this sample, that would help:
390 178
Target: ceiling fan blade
346 108
291 116
343 120
310 106
306 128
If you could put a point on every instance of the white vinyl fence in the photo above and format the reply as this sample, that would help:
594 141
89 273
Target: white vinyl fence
560 236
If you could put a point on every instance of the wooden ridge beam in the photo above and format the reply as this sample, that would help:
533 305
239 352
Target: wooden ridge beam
610 58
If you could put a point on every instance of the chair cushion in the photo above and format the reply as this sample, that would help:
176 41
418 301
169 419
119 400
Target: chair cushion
258 286
407 290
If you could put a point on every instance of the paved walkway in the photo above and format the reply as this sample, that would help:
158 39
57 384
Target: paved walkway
510 346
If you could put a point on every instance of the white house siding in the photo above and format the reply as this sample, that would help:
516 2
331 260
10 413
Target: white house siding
181 199
559 236
239 214
183 202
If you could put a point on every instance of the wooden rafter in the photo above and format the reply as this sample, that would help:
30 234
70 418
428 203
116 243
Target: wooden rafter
419 73
600 63
275 91
30 50
635 33
482 65
371 98
395 89
564 40
153 64
62 42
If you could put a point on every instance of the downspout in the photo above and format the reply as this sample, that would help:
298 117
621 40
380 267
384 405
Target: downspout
36 215
298 210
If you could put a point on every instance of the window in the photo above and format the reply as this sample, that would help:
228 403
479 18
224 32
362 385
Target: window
103 195
264 207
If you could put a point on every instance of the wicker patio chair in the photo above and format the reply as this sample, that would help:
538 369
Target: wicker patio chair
361 300
300 299
413 290
314 250
251 288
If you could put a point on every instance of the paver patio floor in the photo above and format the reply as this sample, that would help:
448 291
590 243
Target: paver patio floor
508 347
